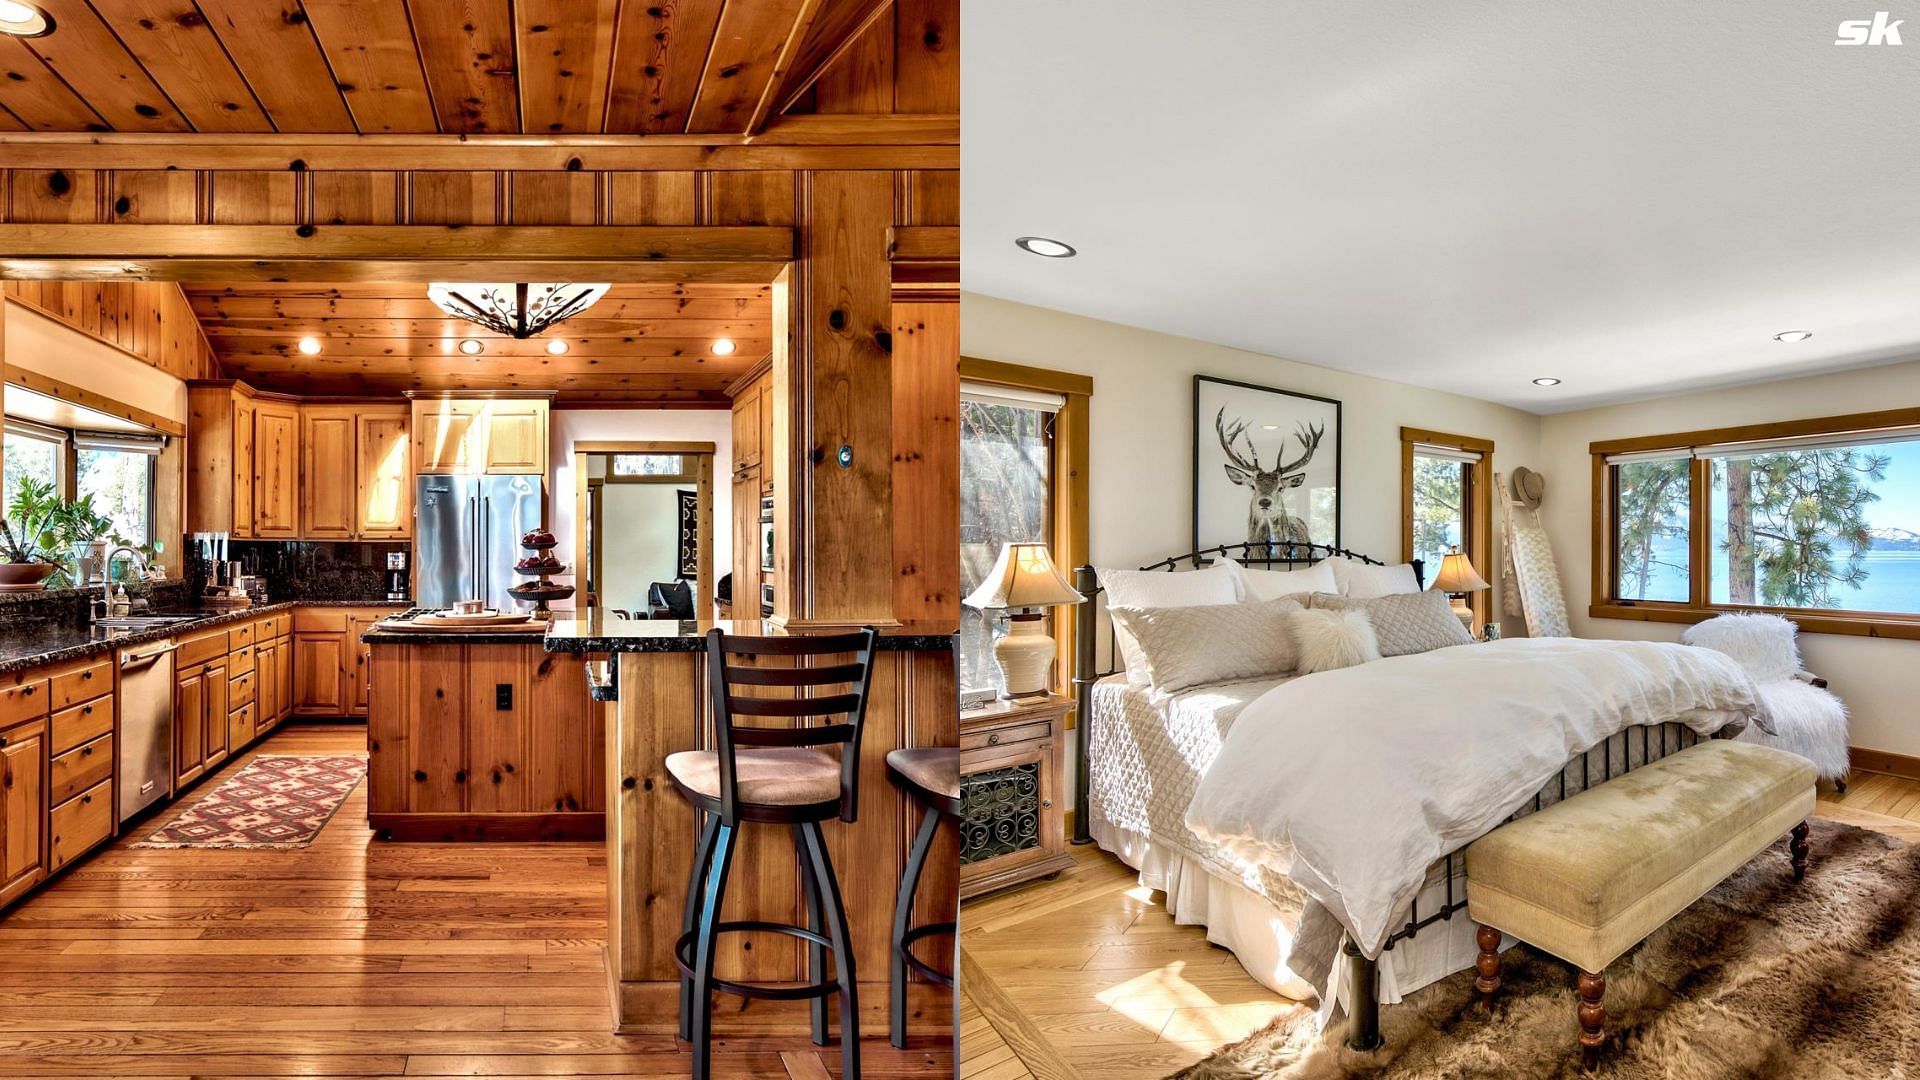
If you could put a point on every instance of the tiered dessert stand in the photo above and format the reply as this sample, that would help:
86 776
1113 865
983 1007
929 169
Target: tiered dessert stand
540 591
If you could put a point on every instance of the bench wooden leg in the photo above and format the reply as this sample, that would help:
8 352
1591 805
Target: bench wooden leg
1488 964
1799 847
1593 1017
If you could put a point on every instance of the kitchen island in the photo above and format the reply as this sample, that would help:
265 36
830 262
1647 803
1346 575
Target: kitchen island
481 736
659 705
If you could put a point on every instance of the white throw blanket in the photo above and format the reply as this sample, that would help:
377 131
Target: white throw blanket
1352 782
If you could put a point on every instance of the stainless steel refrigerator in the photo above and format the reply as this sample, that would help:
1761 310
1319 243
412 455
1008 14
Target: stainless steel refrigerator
467 533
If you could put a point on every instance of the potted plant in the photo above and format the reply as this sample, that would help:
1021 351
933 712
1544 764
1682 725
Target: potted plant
85 532
26 549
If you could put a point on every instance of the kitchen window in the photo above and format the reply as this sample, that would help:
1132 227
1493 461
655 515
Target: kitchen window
32 452
115 470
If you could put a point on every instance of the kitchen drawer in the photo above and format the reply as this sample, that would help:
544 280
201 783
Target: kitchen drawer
320 619
81 724
240 637
239 661
1005 736
80 824
240 689
240 724
23 696
84 683
274 626
201 648
81 768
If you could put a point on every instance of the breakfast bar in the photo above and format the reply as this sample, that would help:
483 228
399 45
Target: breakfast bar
657 686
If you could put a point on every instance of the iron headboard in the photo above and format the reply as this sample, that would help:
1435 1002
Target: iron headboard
1088 617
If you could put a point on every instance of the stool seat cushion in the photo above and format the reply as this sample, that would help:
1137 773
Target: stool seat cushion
930 768
766 776
1587 878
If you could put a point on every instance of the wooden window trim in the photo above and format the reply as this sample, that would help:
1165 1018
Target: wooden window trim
1071 475
1601 603
1479 531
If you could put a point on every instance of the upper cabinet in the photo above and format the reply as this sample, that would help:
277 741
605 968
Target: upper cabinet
271 468
506 435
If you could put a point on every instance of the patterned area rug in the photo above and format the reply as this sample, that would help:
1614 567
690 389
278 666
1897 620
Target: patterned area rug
276 801
1762 977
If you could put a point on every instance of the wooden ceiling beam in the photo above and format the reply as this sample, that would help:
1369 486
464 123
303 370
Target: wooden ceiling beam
190 271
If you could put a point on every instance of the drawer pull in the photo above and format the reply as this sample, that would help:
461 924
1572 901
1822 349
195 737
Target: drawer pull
3 740
993 739
86 799
86 751
87 675
27 691
86 710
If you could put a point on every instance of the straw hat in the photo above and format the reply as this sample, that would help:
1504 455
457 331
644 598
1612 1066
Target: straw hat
1529 487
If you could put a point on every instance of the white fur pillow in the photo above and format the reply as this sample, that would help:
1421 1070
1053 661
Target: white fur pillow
1364 581
1762 644
1327 640
1258 584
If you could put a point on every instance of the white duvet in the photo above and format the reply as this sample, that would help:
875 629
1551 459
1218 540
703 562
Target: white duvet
1352 782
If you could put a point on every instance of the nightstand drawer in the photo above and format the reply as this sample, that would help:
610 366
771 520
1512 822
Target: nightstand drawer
1005 736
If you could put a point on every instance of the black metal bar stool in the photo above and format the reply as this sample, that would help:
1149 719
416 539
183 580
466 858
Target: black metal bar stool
931 775
775 775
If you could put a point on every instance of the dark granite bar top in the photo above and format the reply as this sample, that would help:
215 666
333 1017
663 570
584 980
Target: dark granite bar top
597 635
534 635
51 643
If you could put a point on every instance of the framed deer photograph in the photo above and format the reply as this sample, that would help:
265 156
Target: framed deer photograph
1266 465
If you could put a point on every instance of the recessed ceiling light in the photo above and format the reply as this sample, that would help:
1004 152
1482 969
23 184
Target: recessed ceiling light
1793 335
1546 382
471 347
1040 245
556 347
310 346
723 347
24 20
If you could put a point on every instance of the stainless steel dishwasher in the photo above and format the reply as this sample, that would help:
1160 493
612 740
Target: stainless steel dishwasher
146 726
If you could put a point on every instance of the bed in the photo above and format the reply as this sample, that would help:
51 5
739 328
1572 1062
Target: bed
1143 758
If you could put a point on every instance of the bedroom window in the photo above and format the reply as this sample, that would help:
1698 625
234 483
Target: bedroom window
1817 518
1447 503
1006 496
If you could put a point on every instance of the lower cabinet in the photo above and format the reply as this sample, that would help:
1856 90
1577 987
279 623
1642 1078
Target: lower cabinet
200 707
23 799
56 769
330 665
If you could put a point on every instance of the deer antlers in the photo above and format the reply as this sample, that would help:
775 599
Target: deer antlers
1309 437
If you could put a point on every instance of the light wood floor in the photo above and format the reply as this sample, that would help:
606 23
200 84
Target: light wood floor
346 958
1086 975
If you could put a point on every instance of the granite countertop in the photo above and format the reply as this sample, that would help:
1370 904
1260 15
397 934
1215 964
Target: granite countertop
52 643
534 634
596 635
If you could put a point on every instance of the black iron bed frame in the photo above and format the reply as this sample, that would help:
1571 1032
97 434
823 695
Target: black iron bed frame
1363 1032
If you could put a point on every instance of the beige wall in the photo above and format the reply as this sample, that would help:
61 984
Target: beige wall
47 347
1142 433
1873 675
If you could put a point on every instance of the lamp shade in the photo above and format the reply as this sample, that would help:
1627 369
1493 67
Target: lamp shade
1457 575
1023 577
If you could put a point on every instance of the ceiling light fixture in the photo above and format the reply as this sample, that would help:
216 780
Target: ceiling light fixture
24 20
1546 382
471 347
513 309
1790 336
1045 248
723 347
556 347
310 346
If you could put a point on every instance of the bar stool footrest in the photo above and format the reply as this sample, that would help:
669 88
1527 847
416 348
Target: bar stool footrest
683 959
921 933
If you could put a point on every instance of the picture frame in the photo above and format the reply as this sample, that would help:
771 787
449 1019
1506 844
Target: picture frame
689 535
1266 465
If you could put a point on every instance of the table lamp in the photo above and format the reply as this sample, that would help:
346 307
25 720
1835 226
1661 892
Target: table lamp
1457 578
1021 582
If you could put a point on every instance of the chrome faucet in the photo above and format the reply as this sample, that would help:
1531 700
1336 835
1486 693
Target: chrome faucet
106 577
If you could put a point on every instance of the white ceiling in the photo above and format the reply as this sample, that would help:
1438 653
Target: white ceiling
1632 196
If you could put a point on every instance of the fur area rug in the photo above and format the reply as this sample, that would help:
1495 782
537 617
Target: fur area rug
1759 978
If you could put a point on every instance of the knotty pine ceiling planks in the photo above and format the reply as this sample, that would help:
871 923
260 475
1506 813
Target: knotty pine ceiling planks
537 67
640 344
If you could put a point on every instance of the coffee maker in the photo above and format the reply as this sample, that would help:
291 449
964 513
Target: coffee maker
398 587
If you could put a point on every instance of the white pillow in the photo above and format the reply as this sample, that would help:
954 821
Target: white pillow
1762 644
1327 640
1364 581
1217 584
1184 647
1274 584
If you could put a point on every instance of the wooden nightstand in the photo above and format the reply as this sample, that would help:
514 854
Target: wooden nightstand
1014 828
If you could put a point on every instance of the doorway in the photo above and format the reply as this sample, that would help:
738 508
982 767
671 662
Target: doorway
647 509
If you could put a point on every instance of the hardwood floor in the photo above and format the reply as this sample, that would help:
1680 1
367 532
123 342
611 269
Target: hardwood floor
1087 975
346 958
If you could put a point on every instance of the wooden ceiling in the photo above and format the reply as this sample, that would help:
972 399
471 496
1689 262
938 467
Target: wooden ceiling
639 344
535 67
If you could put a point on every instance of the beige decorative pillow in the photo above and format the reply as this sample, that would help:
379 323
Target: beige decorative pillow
1404 623
1184 647
1217 584
1326 640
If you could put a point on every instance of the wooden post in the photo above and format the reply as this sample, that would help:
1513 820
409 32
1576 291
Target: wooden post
1799 848
1487 964
1593 1017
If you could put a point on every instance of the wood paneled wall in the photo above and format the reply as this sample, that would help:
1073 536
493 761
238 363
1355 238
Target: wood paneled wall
151 320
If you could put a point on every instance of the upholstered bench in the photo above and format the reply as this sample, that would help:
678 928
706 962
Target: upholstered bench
1588 878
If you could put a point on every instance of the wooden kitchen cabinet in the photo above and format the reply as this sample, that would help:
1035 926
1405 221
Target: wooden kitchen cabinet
245 465
360 672
200 708
500 435
23 803
276 470
243 460
330 665
383 475
746 428
327 460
